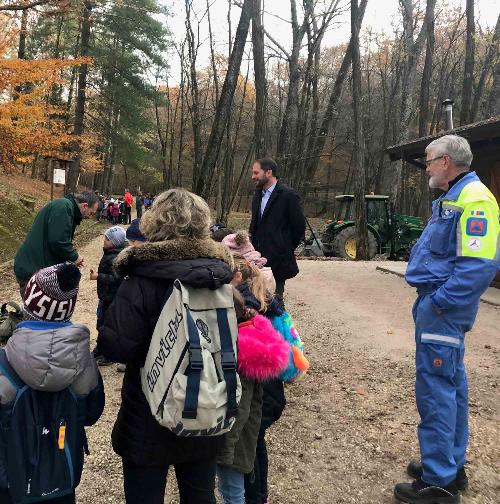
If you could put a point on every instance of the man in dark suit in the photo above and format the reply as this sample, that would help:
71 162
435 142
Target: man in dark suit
278 222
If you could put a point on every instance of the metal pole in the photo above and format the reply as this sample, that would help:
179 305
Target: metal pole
313 234
51 180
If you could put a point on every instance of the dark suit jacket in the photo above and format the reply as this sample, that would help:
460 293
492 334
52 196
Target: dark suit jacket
280 229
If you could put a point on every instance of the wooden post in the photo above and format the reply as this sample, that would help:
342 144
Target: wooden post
51 180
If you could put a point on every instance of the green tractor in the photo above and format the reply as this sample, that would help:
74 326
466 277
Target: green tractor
388 233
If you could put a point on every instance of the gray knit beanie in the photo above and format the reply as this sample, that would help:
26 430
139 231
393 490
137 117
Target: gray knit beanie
116 235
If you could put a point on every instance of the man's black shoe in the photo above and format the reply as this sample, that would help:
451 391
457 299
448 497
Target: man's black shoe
419 492
415 470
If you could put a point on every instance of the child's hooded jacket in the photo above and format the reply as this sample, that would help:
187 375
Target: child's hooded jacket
50 357
262 356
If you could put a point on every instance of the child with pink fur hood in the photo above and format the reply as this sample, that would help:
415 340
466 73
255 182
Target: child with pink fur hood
262 355
239 243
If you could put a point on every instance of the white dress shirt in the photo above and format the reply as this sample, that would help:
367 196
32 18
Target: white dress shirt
266 194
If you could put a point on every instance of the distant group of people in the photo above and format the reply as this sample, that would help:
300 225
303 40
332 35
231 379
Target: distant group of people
119 210
451 265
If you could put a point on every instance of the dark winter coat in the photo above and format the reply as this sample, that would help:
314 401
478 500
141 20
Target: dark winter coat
274 400
279 231
107 280
50 239
149 271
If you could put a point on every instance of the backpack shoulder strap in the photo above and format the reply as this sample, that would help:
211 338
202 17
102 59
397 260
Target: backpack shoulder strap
196 366
8 371
228 360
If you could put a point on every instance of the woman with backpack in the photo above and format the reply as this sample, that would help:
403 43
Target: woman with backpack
178 247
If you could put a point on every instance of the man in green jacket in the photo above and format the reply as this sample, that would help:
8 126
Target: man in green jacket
50 239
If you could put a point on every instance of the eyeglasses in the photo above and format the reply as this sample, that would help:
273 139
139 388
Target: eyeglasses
429 161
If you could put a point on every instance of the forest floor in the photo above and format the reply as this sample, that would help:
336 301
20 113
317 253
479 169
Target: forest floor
350 426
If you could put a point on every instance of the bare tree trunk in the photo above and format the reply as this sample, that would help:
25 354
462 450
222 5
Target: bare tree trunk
423 125
290 113
163 138
492 55
359 147
172 138
74 167
182 92
195 97
181 140
259 67
244 168
319 142
494 104
469 64
440 96
228 186
21 51
413 49
212 54
74 69
224 106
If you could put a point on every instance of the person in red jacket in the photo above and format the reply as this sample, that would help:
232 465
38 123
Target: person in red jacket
129 201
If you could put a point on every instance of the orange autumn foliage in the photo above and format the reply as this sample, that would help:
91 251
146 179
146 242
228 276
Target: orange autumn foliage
29 125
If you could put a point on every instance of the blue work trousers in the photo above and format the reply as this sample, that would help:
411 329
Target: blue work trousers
441 389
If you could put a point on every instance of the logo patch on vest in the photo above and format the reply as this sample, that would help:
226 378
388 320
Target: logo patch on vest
448 213
476 226
474 244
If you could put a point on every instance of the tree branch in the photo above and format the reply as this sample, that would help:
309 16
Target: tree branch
277 44
22 6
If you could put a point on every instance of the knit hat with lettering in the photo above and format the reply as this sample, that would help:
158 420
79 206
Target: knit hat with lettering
51 293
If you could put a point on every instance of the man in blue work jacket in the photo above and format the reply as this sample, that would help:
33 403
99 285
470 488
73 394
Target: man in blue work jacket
451 265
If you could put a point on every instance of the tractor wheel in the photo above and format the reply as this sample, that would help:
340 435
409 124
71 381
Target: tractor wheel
344 244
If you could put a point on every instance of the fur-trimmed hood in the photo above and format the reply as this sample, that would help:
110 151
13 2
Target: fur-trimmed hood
202 263
172 250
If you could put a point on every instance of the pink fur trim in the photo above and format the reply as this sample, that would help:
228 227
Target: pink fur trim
262 352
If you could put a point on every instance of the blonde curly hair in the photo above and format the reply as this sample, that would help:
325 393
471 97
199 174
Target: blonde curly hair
176 213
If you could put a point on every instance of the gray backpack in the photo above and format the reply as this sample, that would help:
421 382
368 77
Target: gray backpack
9 320
189 377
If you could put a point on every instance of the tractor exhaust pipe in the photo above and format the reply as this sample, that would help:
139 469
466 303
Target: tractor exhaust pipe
448 110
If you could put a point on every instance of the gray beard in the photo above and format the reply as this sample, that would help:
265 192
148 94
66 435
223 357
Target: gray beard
433 183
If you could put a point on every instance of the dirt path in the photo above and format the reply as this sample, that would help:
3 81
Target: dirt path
350 426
